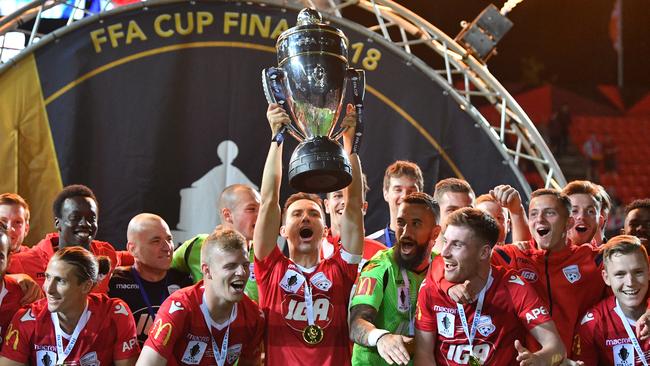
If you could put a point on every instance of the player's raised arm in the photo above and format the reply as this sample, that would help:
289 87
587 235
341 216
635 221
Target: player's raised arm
352 231
269 218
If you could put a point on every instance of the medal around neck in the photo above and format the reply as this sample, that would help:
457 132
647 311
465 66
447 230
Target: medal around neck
309 83
312 334
474 361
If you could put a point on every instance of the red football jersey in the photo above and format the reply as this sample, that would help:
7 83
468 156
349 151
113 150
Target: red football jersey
601 338
370 248
281 289
180 334
510 309
569 281
109 335
10 303
34 261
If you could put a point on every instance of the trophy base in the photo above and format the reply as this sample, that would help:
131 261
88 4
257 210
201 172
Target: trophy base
319 165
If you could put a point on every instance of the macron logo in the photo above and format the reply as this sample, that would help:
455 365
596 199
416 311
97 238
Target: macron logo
517 280
175 306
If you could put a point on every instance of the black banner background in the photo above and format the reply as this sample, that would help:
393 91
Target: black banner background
138 122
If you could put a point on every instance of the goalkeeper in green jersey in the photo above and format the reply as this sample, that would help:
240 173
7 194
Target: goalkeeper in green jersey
383 307
238 208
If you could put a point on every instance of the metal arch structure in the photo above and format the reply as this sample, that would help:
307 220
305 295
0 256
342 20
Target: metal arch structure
463 77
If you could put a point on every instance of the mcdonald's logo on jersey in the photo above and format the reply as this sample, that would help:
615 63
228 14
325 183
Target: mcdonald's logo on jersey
12 333
366 286
157 329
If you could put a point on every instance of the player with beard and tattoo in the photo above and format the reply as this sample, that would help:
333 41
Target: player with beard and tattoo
75 218
382 310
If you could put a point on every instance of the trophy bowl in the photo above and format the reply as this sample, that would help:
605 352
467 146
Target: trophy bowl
311 77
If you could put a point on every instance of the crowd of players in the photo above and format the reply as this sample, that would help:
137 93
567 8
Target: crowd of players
437 286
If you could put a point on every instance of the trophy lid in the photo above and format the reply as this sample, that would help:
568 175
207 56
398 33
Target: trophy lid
309 16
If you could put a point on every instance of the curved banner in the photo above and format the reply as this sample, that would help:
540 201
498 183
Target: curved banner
158 108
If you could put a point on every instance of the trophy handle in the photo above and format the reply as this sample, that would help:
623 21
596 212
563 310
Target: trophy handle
358 79
274 93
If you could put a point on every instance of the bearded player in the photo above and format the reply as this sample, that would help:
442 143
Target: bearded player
488 331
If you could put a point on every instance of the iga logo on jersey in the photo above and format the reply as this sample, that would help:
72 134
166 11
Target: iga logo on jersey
90 359
446 324
294 310
528 275
194 352
623 355
572 273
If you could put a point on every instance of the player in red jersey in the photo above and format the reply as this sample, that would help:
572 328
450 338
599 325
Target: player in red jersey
304 299
75 217
586 204
211 322
566 276
334 205
10 292
71 325
14 212
490 330
606 335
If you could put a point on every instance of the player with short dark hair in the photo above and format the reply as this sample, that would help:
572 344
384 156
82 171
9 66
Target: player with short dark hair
401 178
491 329
76 217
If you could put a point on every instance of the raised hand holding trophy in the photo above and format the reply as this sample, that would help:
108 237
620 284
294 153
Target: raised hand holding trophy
310 83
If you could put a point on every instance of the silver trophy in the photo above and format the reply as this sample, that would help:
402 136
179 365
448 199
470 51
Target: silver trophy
310 83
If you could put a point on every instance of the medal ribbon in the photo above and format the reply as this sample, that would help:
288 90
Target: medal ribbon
407 284
143 293
220 357
630 333
389 242
309 302
358 80
470 333
62 354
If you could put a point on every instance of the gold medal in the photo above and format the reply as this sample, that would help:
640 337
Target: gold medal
312 334
474 361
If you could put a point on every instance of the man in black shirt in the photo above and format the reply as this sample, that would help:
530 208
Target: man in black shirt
146 284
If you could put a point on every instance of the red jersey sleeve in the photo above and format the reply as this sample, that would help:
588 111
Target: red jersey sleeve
126 344
252 350
168 326
425 317
584 343
264 266
530 308
18 337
